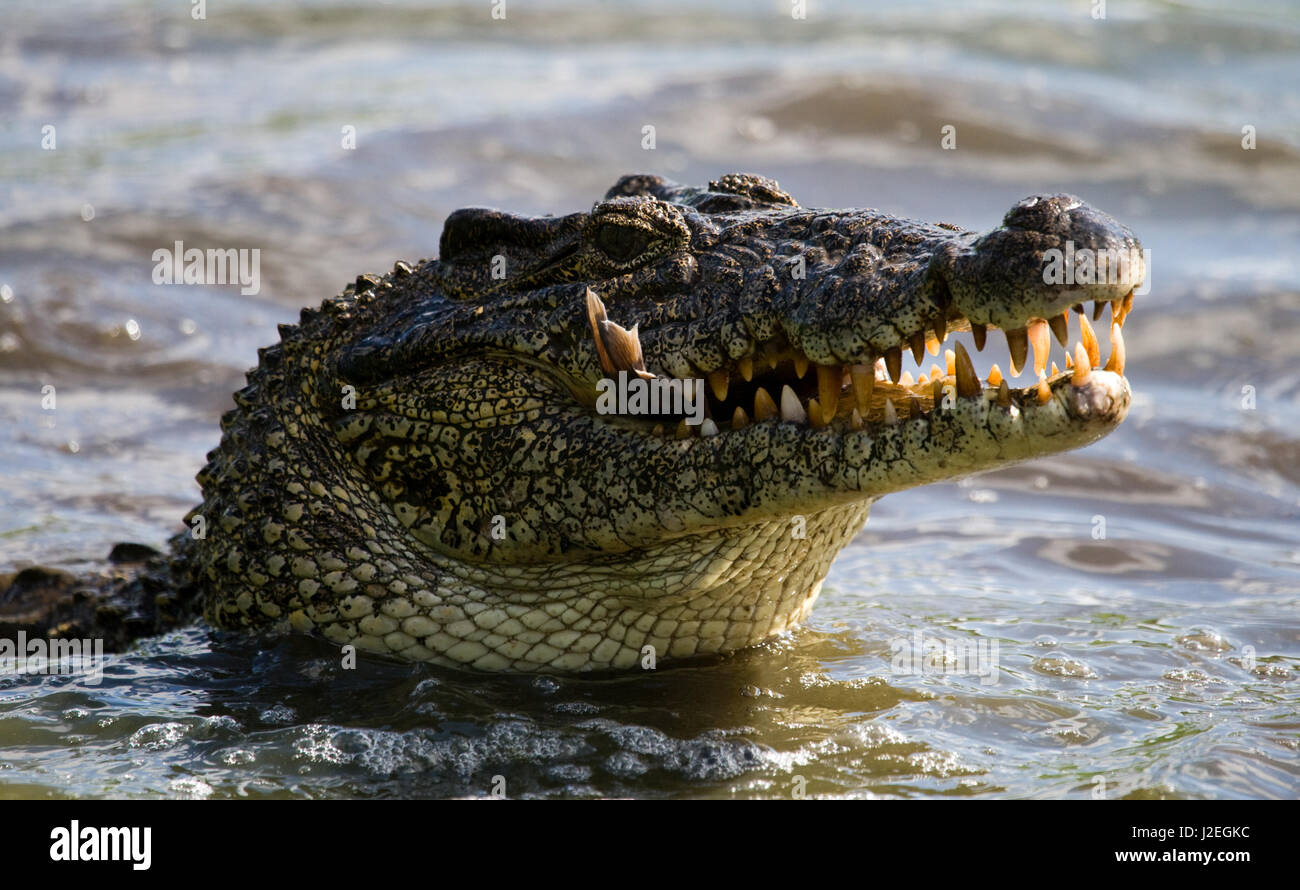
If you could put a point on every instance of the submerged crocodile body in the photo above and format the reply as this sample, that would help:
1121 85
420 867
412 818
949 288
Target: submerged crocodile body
424 467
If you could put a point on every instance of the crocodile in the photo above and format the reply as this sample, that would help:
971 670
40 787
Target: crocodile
424 467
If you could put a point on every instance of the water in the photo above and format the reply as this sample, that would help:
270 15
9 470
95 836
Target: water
1159 660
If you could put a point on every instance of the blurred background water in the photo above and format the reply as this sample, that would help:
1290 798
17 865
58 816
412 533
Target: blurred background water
1161 660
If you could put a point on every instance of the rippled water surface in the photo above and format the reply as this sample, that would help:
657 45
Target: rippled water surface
1160 659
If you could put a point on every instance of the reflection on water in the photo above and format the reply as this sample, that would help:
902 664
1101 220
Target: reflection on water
1153 653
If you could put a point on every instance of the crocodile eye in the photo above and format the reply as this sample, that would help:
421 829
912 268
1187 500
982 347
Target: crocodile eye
622 244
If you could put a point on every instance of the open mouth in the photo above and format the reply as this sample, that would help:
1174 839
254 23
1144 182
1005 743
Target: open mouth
777 382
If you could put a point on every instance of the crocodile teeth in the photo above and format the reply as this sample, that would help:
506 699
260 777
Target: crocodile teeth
1018 345
915 404
1004 394
790 408
1090 343
739 420
815 417
863 378
967 383
830 380
1098 307
708 427
891 416
906 379
619 349
894 362
1116 362
800 365
718 381
950 359
1038 335
1055 369
1061 328
658 430
995 375
746 368
936 391
980 332
595 315
855 420
1082 366
764 407
1124 309
683 429
1044 391
918 346
935 371
1069 362
940 333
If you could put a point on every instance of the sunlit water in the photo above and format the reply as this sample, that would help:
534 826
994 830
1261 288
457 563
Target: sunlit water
1140 596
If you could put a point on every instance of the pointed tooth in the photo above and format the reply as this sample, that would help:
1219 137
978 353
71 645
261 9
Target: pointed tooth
1018 346
1098 307
936 391
980 333
830 380
914 404
968 384
772 361
1069 362
940 332
1055 369
1061 328
1044 391
658 430
746 367
1082 366
995 375
623 348
800 365
815 418
894 362
906 379
1078 307
932 345
596 315
880 370
1089 340
855 420
1124 309
718 382
864 378
708 427
918 346
739 419
1117 356
891 415
684 429
791 410
950 359
936 372
764 407
1004 394
922 380
1040 337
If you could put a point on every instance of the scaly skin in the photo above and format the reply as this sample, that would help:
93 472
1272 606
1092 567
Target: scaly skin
419 468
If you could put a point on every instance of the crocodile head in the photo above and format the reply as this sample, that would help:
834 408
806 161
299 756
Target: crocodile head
436 464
